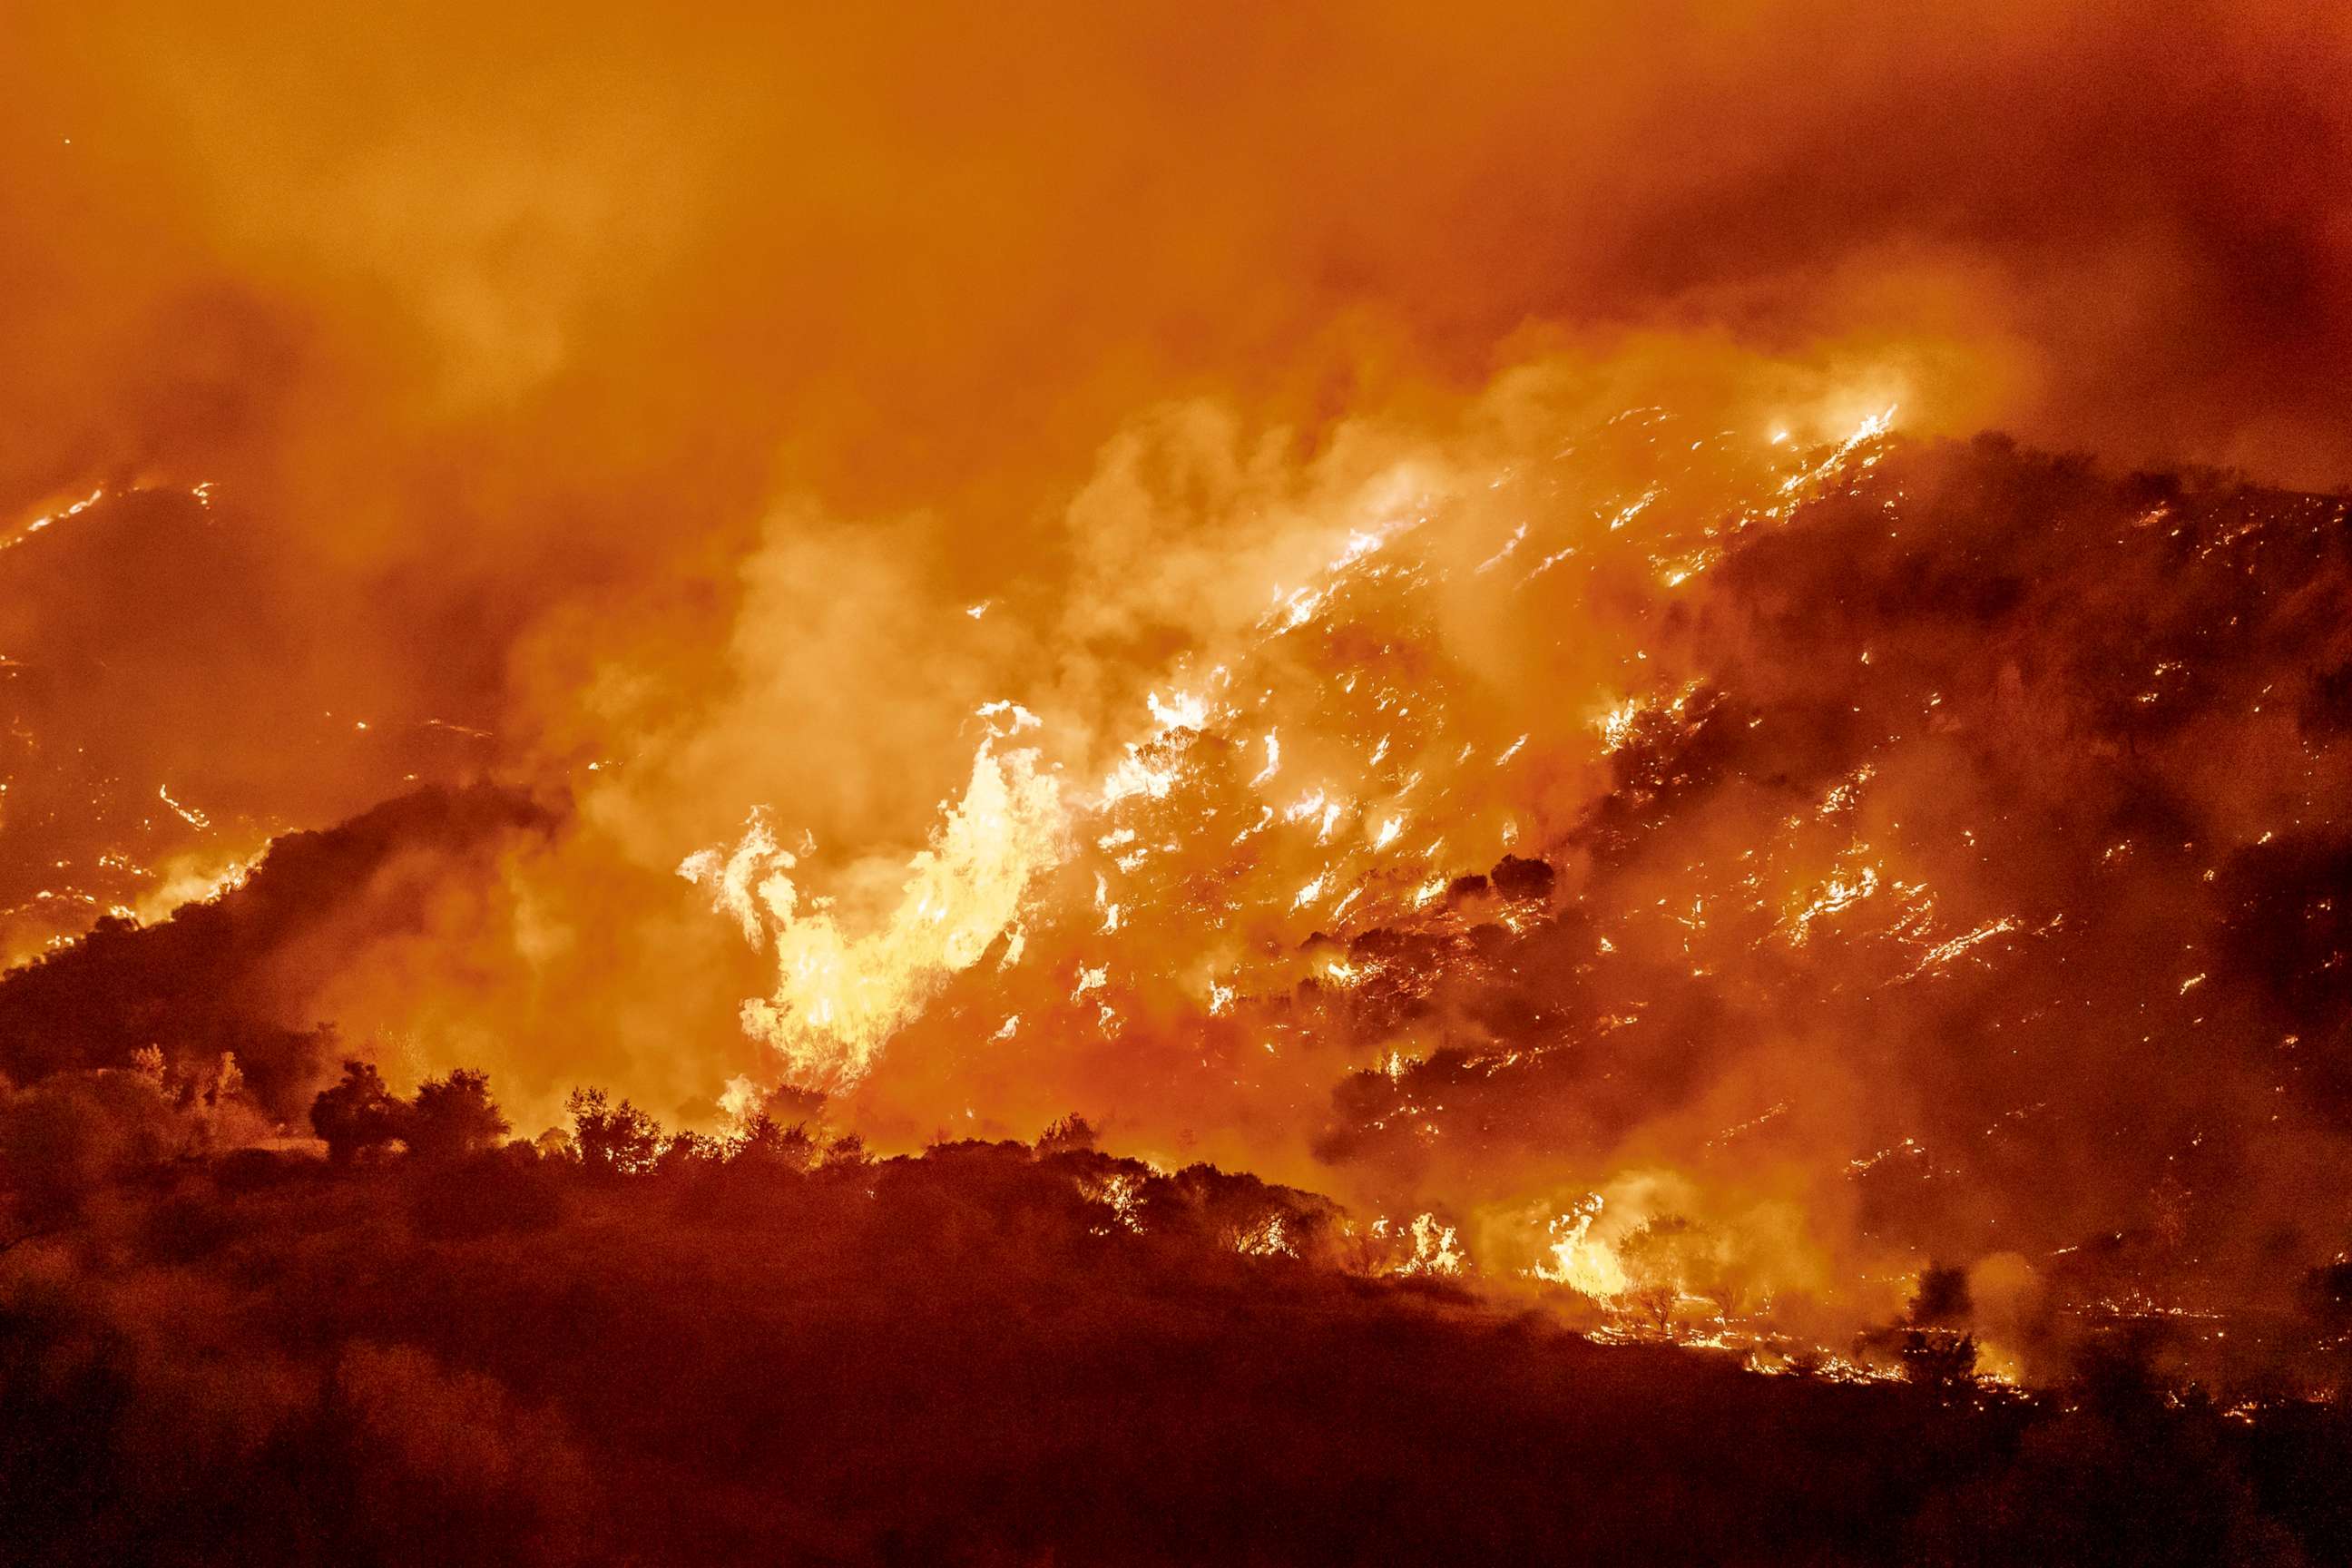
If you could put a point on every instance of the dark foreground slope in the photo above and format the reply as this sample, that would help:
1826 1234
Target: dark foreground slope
972 1357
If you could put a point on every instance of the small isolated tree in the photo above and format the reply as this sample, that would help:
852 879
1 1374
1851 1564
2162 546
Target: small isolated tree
847 1153
227 1081
1727 1289
356 1113
1357 1250
218 1112
455 1117
619 1138
1072 1134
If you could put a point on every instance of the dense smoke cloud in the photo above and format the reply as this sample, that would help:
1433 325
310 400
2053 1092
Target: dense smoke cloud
503 339
499 310
506 335
721 417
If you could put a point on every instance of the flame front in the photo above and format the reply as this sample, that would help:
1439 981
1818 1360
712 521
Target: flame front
839 997
1254 902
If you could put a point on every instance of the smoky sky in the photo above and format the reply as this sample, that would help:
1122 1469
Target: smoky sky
453 298
664 396
506 339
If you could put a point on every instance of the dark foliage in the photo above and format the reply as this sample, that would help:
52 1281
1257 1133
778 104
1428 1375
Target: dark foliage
358 1113
454 1116
1066 1135
1938 1360
1518 878
617 1140
991 1354
1942 1297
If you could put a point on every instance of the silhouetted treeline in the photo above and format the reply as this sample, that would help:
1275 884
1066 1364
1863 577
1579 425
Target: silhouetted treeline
625 1345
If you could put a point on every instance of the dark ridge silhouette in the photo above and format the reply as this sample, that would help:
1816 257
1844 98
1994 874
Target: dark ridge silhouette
198 983
1518 877
148 647
995 1354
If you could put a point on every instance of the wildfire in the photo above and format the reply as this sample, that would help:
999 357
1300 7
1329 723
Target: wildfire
193 879
1434 1252
1249 811
1579 1261
839 997
1496 705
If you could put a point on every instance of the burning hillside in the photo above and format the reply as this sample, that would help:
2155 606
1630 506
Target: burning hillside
1805 862
164 713
758 778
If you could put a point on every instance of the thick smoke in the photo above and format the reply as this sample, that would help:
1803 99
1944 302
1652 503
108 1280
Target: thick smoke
722 415
503 341
504 331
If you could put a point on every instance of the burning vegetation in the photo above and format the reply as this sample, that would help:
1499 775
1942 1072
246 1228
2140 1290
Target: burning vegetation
819 792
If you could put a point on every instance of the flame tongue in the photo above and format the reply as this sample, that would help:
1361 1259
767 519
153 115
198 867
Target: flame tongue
839 997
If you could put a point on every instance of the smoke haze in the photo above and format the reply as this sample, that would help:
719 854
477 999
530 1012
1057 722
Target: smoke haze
1453 436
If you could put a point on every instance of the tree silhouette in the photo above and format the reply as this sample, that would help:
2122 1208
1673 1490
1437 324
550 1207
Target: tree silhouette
1070 1134
618 1137
1658 1259
1938 1360
763 1142
687 1152
455 1117
356 1113
1942 1298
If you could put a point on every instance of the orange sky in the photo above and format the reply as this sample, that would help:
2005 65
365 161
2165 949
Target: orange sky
661 392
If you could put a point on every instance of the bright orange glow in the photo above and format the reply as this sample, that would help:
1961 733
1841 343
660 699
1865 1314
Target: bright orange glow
1374 599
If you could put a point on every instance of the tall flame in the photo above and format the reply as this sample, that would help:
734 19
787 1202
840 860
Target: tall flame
839 997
